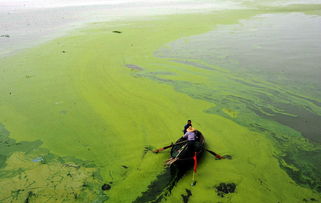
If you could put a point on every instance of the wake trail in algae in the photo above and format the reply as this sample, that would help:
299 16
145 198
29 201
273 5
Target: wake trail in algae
89 105
161 186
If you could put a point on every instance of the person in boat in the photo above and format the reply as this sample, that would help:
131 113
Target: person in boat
191 137
189 123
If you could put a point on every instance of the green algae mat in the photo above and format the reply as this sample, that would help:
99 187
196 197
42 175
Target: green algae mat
80 114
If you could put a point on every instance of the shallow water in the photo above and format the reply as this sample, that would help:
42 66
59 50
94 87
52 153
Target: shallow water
283 49
279 48
29 23
275 62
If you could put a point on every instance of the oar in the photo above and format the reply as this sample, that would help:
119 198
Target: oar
169 146
215 154
194 169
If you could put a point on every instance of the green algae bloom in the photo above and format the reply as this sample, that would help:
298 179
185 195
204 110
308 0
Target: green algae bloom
78 112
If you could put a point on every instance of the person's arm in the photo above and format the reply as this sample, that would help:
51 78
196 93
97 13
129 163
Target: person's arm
186 135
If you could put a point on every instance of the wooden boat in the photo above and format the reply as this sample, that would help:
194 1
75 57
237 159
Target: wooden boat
180 162
182 155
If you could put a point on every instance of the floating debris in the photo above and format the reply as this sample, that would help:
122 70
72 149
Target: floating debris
85 184
106 187
7 36
225 188
116 31
186 197
124 166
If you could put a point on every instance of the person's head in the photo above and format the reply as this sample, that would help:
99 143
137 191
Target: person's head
189 122
190 129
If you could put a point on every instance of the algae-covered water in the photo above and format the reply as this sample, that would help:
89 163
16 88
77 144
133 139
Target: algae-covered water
79 114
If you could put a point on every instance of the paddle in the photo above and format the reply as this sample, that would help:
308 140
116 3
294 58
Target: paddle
194 169
214 154
169 146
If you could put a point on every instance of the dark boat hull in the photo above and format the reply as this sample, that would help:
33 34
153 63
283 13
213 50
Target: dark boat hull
185 154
